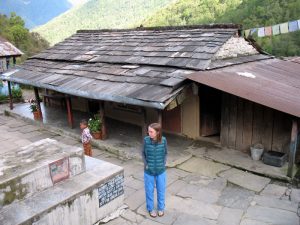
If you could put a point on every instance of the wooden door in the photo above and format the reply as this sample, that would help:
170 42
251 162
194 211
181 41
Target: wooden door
171 120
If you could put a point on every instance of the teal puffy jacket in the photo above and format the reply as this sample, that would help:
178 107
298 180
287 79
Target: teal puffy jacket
154 155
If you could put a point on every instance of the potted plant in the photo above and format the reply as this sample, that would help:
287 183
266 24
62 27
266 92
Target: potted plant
34 109
95 125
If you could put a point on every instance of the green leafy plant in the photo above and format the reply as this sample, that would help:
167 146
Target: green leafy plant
95 123
33 106
3 97
16 93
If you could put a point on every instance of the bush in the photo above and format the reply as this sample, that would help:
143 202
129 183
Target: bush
16 93
3 97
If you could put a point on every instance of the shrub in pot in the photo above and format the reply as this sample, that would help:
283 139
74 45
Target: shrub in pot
95 125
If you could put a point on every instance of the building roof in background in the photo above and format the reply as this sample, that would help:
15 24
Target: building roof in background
8 49
144 66
295 59
274 83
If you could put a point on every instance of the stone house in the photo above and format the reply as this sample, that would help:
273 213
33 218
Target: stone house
174 75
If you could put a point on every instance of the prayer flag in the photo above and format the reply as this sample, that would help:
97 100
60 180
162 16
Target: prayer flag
252 31
261 32
293 26
247 32
268 31
299 24
275 29
284 28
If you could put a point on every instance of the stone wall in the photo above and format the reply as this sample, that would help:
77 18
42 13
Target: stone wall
111 189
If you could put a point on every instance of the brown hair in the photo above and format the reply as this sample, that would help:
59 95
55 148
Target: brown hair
157 128
84 122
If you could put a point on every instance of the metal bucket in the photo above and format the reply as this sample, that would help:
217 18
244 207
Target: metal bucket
257 151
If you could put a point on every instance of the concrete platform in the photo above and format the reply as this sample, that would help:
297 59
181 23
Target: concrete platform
82 199
36 167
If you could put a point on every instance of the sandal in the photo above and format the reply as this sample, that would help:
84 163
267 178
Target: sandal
161 213
152 214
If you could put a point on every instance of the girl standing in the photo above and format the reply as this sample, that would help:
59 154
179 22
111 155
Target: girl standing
154 156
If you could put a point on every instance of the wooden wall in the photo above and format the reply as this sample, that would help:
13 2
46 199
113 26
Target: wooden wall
244 123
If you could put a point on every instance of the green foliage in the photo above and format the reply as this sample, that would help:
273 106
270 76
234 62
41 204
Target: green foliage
189 12
95 123
33 106
249 13
3 97
12 29
100 14
16 93
256 13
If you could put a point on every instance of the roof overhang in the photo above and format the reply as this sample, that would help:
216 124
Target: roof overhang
273 83
91 94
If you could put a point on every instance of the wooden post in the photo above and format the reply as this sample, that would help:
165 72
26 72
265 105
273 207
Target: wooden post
293 148
102 117
70 113
38 103
144 123
10 96
7 62
14 61
159 117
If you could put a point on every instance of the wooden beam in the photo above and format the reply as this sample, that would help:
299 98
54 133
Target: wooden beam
70 113
102 117
10 96
159 112
144 123
293 148
38 102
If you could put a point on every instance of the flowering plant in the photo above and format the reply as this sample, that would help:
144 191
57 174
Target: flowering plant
95 123
33 106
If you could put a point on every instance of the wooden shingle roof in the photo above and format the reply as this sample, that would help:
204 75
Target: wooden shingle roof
8 49
145 66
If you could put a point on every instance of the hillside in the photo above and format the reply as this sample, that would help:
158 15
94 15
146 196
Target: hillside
188 12
249 13
99 14
35 12
13 29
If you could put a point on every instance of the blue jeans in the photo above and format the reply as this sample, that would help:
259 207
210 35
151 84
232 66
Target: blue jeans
160 183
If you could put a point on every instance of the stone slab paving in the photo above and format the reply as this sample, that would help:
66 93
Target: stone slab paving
206 195
187 219
272 216
274 190
230 216
271 202
246 180
236 197
203 167
252 222
199 191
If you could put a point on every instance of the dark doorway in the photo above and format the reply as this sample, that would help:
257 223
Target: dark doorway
94 106
210 111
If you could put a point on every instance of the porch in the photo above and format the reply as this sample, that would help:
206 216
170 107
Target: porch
125 141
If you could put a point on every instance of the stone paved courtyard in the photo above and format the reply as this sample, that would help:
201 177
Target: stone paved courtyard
199 191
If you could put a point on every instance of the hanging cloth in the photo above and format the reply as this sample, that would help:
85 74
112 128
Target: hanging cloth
247 32
284 28
252 31
293 26
276 29
261 32
268 31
